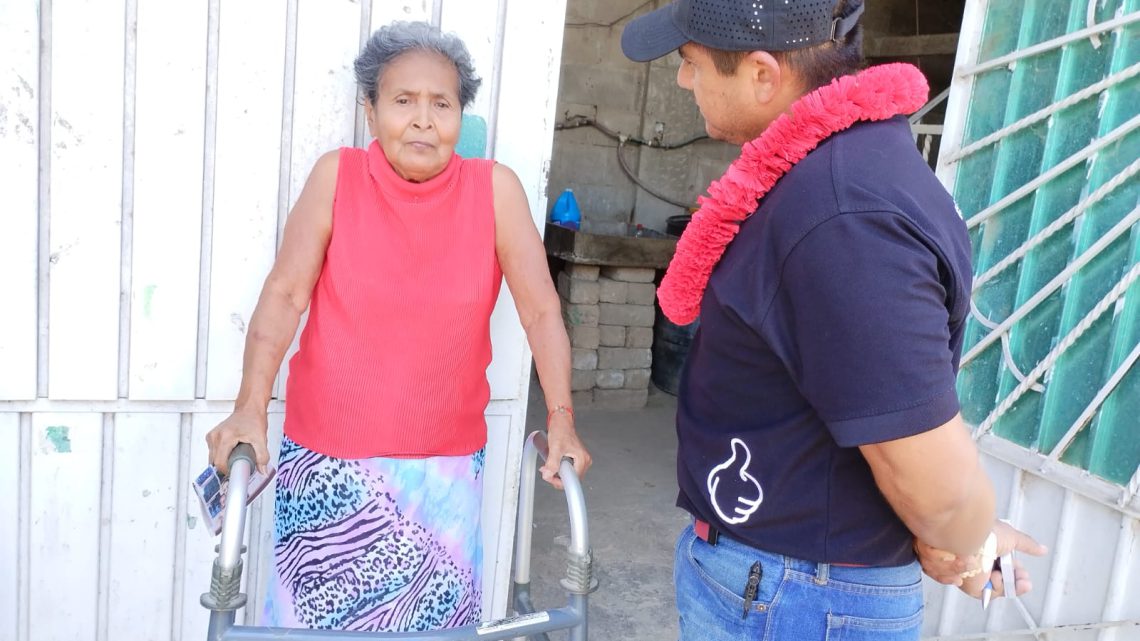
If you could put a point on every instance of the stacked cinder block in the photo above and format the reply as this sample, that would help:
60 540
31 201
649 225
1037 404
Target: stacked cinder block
609 315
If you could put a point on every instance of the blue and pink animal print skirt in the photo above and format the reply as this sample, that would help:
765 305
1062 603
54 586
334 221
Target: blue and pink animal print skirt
376 545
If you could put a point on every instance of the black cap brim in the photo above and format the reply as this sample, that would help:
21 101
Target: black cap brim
651 36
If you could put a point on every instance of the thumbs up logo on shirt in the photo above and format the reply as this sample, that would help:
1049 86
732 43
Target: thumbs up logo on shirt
732 488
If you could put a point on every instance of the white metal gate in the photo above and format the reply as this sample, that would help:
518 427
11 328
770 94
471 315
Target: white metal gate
1040 150
149 153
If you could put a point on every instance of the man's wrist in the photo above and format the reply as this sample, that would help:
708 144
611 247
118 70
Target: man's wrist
986 556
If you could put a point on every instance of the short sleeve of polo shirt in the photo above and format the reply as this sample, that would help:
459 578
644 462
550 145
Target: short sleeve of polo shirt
860 319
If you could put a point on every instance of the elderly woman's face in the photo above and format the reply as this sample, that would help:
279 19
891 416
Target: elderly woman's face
416 116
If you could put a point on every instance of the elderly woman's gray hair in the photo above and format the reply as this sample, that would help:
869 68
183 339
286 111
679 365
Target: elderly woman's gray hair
393 40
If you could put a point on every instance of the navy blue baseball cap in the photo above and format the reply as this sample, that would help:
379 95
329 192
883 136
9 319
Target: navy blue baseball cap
737 25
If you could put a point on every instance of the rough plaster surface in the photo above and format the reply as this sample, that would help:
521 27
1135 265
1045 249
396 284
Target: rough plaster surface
598 82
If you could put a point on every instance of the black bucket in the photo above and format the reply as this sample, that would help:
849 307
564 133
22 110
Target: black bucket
670 349
675 225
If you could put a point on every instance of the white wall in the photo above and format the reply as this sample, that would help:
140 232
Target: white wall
150 152
1084 588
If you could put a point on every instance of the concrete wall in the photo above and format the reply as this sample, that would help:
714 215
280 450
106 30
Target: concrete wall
598 82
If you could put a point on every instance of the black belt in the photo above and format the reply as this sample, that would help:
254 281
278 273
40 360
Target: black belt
706 531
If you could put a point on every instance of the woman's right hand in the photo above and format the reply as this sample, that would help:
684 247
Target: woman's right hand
240 427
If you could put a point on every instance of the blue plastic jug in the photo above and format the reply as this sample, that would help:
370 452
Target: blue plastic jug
565 211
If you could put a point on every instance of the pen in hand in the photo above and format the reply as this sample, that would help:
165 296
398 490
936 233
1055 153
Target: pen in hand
988 591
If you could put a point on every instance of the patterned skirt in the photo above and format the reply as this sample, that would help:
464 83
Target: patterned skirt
376 545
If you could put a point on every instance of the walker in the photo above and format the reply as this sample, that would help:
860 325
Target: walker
224 597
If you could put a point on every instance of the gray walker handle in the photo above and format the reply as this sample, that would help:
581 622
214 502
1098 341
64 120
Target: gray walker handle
579 581
241 462
224 598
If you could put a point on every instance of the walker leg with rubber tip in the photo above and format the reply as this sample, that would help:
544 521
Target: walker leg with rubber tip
579 581
224 597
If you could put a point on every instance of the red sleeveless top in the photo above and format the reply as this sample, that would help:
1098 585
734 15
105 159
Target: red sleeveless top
393 359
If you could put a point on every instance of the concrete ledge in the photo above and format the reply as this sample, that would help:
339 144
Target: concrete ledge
585 248
910 46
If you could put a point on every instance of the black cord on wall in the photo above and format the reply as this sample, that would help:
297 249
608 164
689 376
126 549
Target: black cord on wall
623 140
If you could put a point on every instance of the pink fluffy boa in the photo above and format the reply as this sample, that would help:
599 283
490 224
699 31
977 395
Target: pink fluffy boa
878 93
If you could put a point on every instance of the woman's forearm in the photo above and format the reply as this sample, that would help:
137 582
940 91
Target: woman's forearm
271 331
551 347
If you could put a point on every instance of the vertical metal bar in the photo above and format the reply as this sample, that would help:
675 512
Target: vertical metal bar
523 532
576 504
1067 531
106 500
209 151
44 240
220 622
126 229
285 159
360 136
580 603
234 533
1132 490
1118 589
495 86
437 13
24 531
961 90
178 596
949 610
1013 514
289 86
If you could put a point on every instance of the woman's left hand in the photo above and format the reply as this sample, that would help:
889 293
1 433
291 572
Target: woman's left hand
563 441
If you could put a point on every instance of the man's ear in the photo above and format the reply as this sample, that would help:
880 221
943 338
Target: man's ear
766 74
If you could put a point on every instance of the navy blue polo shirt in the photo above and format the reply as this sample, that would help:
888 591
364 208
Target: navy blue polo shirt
834 320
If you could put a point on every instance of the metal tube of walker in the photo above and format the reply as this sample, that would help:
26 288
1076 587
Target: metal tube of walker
525 517
577 580
578 576
233 530
536 444
576 503
224 597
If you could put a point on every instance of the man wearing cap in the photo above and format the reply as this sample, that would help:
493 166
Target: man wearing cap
817 418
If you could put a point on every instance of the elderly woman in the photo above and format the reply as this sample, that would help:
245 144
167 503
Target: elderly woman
398 251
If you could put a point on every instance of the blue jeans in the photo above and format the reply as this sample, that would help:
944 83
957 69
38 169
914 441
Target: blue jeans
796 600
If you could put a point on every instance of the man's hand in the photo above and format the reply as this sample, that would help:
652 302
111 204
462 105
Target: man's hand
940 565
948 569
563 442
